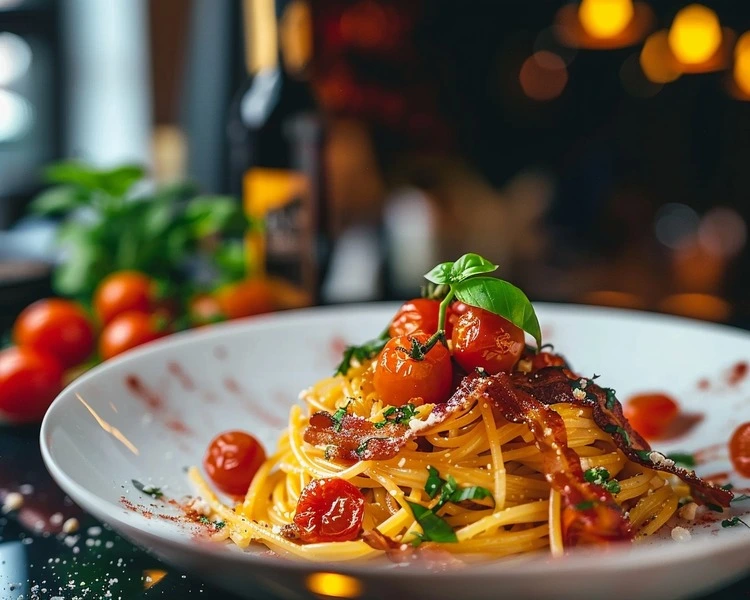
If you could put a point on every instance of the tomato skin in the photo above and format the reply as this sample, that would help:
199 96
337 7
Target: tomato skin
399 379
245 298
126 331
423 314
546 359
58 327
29 382
121 292
651 414
484 339
739 449
329 510
232 460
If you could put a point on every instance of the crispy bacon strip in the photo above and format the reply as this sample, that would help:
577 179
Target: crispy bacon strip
551 385
590 514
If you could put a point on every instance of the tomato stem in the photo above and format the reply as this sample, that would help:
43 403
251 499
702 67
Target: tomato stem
444 309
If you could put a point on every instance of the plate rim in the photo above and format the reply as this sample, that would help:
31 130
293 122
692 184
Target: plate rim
578 561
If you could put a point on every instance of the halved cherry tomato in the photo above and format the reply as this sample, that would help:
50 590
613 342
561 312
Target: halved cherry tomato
127 331
329 510
739 449
124 291
29 382
484 339
245 298
399 378
58 327
232 460
422 314
651 414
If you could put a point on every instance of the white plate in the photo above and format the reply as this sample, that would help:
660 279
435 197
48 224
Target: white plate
247 375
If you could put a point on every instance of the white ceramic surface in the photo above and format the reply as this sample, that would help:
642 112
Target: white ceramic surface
247 375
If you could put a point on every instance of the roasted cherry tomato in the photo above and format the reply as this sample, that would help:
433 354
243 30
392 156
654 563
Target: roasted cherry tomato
58 327
329 510
422 314
651 414
232 460
29 382
399 378
245 298
124 291
739 449
127 331
484 339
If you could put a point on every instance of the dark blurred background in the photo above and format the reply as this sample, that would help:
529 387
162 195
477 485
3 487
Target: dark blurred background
583 151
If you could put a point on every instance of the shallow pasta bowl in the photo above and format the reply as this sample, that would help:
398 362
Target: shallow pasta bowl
149 414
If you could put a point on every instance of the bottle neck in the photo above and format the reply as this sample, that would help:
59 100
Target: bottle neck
280 38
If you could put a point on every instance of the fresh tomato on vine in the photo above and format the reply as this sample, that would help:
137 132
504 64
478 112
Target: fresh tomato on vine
58 327
29 382
128 330
408 371
487 340
329 510
423 314
124 291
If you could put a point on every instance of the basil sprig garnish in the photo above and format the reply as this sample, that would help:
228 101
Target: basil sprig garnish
361 353
491 294
434 527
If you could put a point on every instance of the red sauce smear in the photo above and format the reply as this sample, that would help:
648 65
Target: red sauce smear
185 380
738 373
137 388
233 386
704 384
709 453
682 425
178 426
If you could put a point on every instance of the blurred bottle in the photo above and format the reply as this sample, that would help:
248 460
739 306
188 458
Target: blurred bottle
275 148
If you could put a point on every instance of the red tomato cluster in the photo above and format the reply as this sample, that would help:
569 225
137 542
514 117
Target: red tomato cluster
651 414
478 337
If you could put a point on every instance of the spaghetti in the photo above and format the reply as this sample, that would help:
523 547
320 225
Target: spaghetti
476 447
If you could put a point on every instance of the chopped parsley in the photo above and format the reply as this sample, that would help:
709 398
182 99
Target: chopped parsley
400 415
218 525
644 454
338 416
683 459
204 519
148 489
728 486
715 508
600 476
585 505
610 428
740 498
733 522
361 353
362 448
434 527
611 398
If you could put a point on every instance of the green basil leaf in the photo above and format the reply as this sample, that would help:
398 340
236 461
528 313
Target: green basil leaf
211 215
361 353
57 200
473 492
434 483
434 528
683 458
469 265
72 172
501 298
118 181
441 274
157 217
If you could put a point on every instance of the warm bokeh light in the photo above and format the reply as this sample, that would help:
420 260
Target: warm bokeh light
604 19
334 585
695 35
742 63
543 76
613 298
656 59
722 232
697 306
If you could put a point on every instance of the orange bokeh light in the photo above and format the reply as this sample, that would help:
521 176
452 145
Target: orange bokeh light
695 35
656 59
603 19
742 63
543 76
